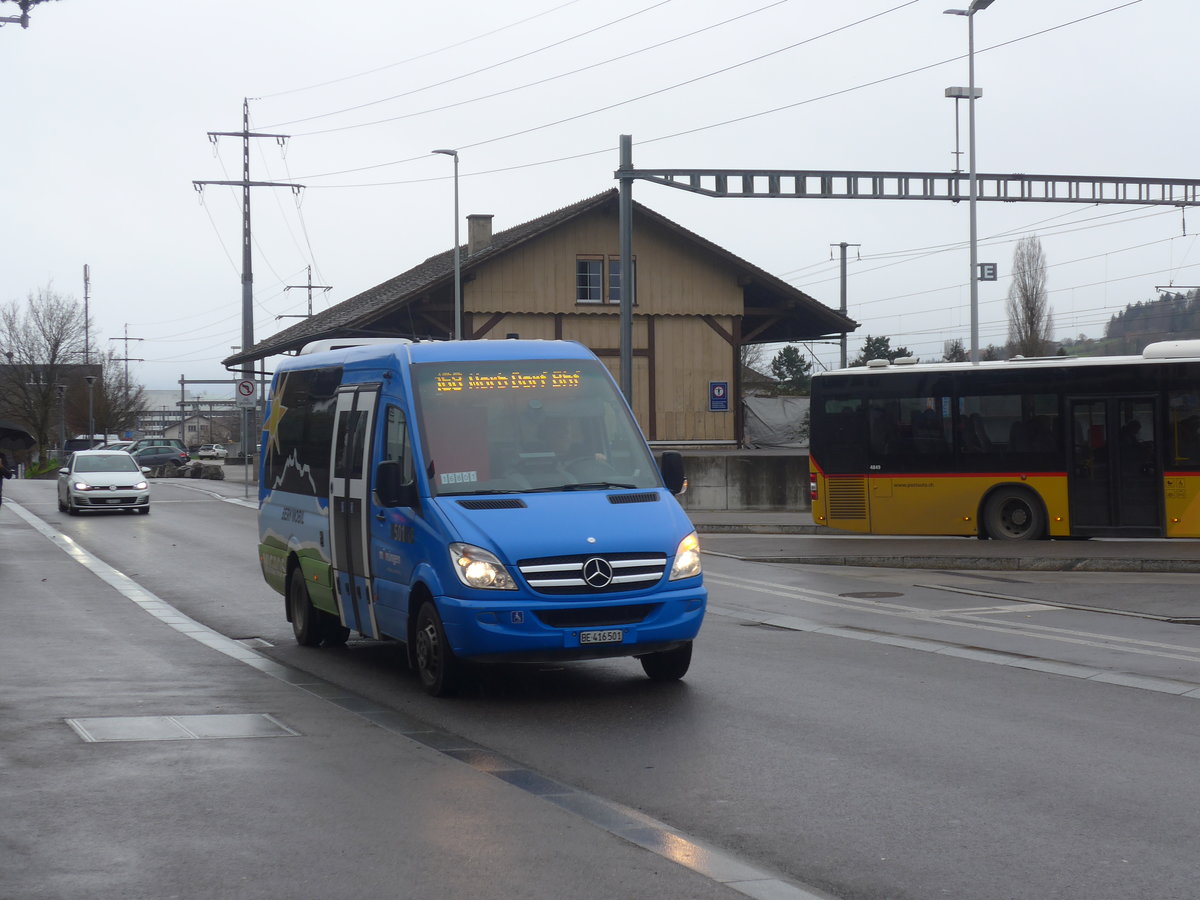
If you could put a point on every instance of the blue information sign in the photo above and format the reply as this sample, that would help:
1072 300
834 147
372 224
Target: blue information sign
718 396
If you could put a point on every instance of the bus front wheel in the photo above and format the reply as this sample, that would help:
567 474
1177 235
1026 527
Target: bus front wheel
668 665
1013 514
436 664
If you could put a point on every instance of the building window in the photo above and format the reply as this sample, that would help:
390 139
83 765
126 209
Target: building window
590 283
589 279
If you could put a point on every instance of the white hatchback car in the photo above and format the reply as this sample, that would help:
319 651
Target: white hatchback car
211 451
103 479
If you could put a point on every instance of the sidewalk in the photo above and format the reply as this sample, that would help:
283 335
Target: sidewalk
144 755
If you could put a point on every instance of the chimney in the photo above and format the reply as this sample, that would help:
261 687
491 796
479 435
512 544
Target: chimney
479 233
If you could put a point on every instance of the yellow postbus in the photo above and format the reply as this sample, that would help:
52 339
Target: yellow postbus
1020 449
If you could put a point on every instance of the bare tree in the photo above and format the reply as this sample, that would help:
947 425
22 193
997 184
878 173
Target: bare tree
45 337
1030 323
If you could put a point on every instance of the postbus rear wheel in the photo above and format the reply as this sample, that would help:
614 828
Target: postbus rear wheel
1014 514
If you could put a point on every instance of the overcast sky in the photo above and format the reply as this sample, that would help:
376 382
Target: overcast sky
107 106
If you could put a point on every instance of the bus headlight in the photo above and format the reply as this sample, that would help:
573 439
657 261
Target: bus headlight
687 558
477 568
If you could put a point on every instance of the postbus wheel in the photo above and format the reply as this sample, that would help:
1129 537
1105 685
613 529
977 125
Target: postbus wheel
306 618
436 665
1014 514
668 665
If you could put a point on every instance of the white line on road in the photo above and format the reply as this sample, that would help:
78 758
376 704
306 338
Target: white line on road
1041 632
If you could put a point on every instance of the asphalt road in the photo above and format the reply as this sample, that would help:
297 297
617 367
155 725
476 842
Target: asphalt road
848 732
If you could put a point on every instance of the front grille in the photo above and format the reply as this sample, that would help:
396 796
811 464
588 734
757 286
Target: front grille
593 574
103 500
847 497
595 617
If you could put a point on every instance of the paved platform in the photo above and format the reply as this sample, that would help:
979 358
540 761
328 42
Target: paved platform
792 537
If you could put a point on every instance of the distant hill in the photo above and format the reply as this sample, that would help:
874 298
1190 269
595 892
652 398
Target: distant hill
1174 317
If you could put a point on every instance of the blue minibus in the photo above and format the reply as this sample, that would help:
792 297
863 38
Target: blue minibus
480 501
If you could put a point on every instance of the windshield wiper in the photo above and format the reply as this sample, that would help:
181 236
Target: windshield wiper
588 486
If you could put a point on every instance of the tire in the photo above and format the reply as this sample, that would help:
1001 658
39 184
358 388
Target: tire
307 624
72 509
1013 514
669 665
62 507
437 667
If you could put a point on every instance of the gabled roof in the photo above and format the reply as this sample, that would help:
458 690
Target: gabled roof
354 317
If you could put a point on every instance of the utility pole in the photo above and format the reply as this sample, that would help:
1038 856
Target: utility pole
842 305
87 289
311 287
247 269
22 19
127 360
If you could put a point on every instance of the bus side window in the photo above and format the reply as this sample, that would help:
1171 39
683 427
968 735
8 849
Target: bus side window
396 445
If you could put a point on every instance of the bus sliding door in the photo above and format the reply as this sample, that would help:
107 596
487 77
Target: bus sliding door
1115 479
349 506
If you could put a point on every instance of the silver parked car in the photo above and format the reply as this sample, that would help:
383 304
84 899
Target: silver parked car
103 479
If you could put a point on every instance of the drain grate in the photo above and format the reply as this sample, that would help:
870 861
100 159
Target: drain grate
178 728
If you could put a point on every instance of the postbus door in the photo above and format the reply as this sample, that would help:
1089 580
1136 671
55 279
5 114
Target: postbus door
1115 479
349 538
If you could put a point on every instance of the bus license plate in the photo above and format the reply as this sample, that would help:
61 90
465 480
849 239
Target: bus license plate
601 637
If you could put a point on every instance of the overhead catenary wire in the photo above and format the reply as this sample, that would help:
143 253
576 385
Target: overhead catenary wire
420 56
629 100
480 70
529 84
687 132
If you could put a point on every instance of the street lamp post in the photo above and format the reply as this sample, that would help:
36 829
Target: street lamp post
969 12
61 390
91 380
457 252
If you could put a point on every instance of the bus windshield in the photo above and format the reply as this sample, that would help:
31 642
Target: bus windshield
528 425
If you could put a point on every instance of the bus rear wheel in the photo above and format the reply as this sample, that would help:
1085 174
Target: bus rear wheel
306 618
1013 514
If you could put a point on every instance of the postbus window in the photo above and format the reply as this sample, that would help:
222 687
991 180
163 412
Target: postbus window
840 443
1184 424
1010 423
910 429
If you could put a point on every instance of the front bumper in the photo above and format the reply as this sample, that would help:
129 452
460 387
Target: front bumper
531 628
109 499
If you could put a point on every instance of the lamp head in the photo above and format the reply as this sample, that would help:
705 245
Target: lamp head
453 153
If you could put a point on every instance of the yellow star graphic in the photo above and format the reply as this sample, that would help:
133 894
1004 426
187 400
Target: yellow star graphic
271 425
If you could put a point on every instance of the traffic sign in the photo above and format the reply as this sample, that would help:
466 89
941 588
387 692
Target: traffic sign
245 394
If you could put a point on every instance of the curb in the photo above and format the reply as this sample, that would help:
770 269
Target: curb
988 563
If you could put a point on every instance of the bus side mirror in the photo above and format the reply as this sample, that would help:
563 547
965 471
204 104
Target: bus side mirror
390 490
671 467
